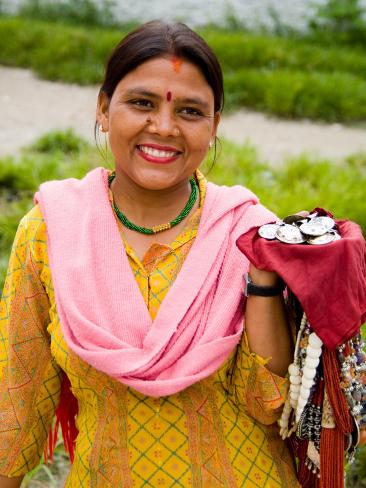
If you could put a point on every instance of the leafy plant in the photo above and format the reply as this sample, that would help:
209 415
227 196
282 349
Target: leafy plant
343 20
231 21
84 12
66 142
294 94
356 475
288 77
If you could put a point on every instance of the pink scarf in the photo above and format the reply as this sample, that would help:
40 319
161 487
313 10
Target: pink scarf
103 316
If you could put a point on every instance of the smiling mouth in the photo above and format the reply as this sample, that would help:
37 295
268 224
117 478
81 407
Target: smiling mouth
155 155
158 153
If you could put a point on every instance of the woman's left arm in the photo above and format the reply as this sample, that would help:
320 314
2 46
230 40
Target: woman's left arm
266 324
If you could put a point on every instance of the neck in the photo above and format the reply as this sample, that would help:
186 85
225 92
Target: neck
147 207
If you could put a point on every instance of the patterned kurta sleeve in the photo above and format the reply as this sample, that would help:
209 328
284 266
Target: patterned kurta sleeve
29 377
260 392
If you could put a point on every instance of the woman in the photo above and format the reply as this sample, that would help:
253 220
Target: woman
138 304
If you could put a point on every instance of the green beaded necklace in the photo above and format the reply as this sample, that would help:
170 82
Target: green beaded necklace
157 228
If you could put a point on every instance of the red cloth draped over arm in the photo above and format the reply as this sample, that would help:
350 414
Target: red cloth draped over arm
329 280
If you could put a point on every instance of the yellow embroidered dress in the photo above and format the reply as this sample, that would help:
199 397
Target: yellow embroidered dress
219 432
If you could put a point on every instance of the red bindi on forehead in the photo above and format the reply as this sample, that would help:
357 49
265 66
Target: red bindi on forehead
169 96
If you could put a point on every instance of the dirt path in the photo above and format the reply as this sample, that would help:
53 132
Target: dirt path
30 107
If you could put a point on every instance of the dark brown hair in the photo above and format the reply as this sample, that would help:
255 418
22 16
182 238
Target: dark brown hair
157 38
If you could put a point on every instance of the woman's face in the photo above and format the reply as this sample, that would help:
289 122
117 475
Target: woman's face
160 121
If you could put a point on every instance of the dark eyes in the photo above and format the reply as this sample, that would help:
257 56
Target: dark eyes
191 111
141 103
186 112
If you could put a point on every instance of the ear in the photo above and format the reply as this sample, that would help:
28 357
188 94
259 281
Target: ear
103 111
217 118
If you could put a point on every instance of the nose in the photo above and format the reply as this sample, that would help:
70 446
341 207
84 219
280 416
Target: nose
163 122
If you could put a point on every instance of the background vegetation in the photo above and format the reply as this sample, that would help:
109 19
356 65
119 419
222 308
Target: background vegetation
74 12
320 74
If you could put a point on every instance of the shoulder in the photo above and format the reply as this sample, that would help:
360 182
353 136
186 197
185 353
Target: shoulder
33 223
32 233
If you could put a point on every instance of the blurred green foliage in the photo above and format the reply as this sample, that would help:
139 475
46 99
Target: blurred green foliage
331 97
341 21
288 77
301 183
356 477
79 12
66 142
57 52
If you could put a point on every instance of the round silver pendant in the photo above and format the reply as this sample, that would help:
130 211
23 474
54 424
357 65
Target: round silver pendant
268 231
323 239
313 229
328 222
290 234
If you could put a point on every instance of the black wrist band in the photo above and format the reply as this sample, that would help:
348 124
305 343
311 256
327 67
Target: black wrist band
262 291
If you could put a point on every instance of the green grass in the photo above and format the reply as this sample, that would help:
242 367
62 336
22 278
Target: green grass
243 49
77 12
302 183
289 77
337 96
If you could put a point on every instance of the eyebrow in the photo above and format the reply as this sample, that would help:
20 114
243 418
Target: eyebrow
190 100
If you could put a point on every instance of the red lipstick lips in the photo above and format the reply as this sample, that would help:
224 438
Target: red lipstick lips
158 159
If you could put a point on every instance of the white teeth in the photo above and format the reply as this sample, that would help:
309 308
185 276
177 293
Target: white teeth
156 153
